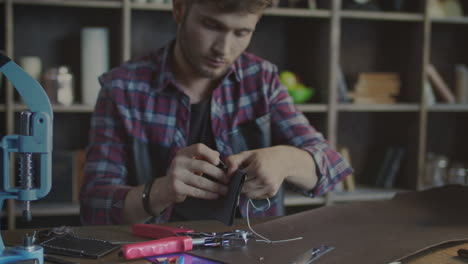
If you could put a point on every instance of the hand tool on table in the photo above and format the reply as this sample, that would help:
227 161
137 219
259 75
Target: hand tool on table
312 255
172 240
34 148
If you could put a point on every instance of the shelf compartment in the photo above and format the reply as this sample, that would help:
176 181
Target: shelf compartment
375 15
55 36
378 47
446 134
372 137
72 3
448 48
379 107
143 39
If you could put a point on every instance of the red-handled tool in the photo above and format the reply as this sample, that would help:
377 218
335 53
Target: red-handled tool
157 231
160 246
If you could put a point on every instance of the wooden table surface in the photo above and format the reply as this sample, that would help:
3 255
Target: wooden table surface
121 234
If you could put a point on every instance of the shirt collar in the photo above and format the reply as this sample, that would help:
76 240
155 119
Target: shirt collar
164 74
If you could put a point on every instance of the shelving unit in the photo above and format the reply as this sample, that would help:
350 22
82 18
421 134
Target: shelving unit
311 43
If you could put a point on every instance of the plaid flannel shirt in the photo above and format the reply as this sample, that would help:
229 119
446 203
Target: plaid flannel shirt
140 100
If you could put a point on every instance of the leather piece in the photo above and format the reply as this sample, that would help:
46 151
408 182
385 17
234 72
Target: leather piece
222 209
361 232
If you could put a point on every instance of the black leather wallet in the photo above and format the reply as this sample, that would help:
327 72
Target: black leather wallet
79 247
222 209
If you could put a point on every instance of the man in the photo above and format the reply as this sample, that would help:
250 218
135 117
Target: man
169 118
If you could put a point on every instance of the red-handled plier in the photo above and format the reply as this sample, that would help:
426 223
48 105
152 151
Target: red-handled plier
173 240
168 240
157 231
160 246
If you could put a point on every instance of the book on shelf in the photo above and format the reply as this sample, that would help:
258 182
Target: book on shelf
439 84
361 99
429 93
376 88
461 83
390 167
349 182
343 91
394 168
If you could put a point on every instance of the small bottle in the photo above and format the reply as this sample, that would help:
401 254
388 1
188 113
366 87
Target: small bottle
58 83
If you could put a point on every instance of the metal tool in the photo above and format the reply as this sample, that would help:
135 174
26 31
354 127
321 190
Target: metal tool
312 255
34 146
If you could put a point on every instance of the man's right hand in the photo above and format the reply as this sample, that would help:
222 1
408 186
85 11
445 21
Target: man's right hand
184 177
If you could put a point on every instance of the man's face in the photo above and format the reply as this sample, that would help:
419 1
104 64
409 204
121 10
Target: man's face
210 41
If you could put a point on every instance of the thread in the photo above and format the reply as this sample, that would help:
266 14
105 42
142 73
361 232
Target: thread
263 238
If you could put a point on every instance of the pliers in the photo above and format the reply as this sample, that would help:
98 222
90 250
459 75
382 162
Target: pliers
173 240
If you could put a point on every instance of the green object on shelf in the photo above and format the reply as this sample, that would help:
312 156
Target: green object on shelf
301 94
288 78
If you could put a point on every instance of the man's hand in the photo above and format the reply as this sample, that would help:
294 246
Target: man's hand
267 168
184 177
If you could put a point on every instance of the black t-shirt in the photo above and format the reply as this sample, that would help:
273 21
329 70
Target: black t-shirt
200 124
200 132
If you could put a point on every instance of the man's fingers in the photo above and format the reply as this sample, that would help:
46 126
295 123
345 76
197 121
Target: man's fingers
203 183
258 194
252 185
203 167
199 193
234 162
202 152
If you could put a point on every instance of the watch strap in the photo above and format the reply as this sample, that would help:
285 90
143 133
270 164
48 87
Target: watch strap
145 197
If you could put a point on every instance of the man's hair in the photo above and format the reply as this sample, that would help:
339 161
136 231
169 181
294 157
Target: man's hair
228 6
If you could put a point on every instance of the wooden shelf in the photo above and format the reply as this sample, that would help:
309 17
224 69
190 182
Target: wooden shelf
298 12
365 194
360 194
378 107
151 6
374 15
448 108
287 12
312 108
48 209
450 20
73 3
76 108
296 199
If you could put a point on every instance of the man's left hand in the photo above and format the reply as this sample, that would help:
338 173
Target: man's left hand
267 168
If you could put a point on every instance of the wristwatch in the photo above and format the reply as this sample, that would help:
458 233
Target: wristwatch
145 197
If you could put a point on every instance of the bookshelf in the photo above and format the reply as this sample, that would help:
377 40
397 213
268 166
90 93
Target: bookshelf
311 43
